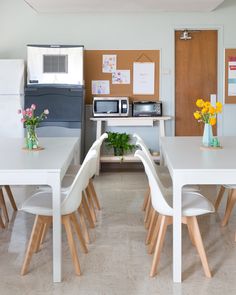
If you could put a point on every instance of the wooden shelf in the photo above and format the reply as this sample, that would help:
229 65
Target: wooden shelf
126 158
130 121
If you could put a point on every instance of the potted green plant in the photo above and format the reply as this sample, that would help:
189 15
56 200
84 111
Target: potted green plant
119 142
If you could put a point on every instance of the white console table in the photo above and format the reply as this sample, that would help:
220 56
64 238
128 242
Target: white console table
128 121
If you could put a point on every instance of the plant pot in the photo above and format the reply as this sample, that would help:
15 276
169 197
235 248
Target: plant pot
207 135
118 151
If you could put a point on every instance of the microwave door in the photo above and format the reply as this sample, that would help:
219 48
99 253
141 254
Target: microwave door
106 107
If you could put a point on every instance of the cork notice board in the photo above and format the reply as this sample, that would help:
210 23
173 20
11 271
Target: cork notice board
230 75
125 60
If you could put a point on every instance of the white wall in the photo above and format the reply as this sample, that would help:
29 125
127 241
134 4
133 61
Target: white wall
20 25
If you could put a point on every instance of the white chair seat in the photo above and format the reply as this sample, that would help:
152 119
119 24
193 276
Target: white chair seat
40 204
166 181
162 169
193 204
230 186
73 169
65 184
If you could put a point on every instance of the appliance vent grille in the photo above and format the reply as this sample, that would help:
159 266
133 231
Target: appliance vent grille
55 63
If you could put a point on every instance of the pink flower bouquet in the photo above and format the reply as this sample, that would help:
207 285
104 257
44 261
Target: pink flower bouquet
29 118
31 122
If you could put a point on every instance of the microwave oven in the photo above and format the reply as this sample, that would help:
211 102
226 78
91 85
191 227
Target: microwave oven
147 109
110 106
55 64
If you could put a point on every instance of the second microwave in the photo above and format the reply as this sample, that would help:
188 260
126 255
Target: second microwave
110 106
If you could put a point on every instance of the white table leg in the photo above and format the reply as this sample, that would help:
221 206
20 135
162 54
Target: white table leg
177 230
56 205
98 134
161 134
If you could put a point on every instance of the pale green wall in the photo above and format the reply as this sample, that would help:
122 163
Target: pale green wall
20 25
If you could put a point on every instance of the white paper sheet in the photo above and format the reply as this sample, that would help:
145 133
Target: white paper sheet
232 78
100 87
143 78
108 63
121 77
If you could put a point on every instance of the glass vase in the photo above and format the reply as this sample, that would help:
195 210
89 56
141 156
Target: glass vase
207 135
31 137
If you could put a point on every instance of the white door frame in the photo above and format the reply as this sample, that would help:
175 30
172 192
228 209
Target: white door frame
220 67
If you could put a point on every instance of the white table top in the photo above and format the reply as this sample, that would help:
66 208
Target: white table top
184 153
161 118
52 158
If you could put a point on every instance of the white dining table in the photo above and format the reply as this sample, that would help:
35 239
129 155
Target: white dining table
44 167
189 164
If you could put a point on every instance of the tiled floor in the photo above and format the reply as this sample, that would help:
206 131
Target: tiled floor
117 262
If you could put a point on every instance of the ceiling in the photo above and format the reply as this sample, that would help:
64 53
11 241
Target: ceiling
77 6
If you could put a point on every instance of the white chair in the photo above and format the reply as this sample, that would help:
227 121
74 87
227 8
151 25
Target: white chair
90 190
193 204
40 204
92 197
164 179
162 171
230 201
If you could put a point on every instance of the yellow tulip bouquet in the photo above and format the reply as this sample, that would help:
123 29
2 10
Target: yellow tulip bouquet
207 113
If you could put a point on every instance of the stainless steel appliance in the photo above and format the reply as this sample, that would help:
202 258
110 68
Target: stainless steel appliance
55 64
110 106
147 109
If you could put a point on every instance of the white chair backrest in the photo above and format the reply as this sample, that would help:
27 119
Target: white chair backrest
74 196
143 146
95 146
135 135
157 197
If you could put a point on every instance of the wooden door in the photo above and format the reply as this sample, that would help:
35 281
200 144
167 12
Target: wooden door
195 77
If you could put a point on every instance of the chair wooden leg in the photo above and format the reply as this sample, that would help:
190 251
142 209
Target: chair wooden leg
46 221
87 211
190 230
3 206
2 225
160 240
229 207
71 242
154 236
151 227
83 225
145 201
219 197
147 224
10 196
38 239
31 246
94 194
79 233
44 233
91 205
199 245
147 209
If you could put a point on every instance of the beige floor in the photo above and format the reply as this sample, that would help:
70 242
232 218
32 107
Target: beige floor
117 262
